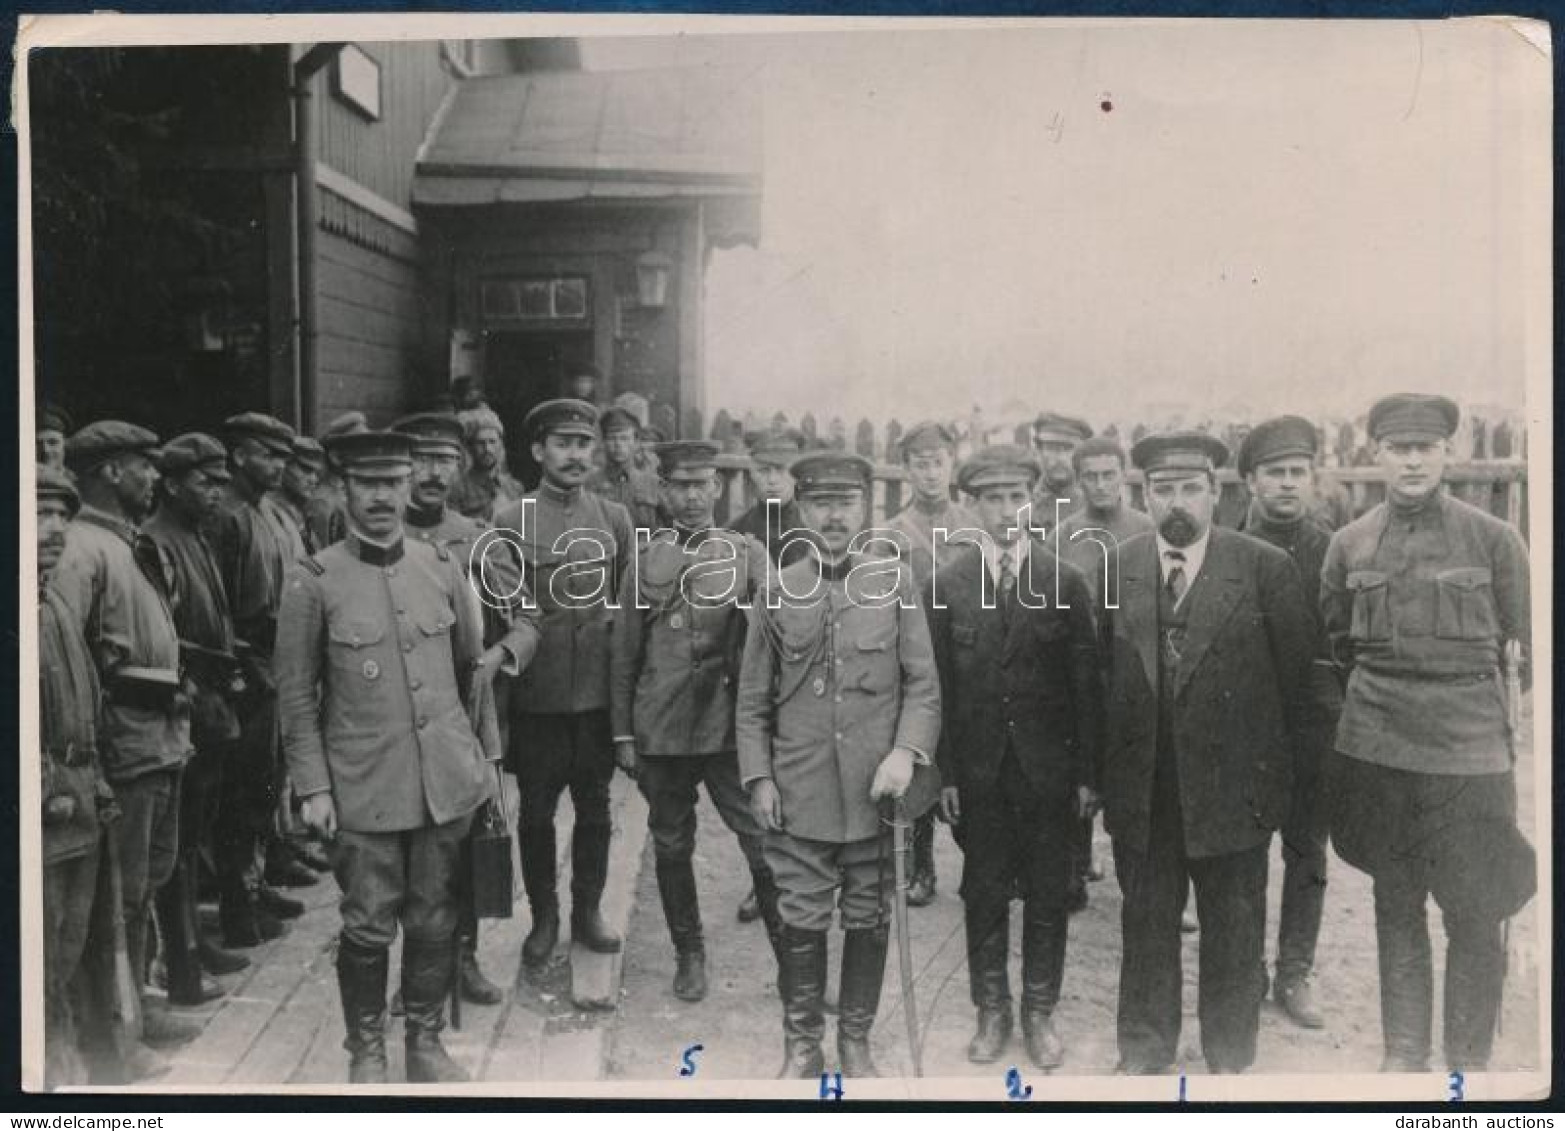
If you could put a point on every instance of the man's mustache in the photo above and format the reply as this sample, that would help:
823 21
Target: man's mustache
55 543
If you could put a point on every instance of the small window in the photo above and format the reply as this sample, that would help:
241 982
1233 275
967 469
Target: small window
536 298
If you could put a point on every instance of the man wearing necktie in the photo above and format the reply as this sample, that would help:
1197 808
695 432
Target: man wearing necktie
1209 655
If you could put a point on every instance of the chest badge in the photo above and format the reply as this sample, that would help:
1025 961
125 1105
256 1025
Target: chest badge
371 669
819 686
676 621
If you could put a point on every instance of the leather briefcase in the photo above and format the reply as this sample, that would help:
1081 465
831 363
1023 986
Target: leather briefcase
490 865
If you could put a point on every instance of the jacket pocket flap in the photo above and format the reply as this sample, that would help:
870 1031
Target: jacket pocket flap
1466 578
1361 579
356 633
437 625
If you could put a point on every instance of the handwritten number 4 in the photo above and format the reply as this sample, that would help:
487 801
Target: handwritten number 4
829 1090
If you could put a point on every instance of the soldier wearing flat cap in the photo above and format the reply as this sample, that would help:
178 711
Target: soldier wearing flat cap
621 478
485 486
54 425
300 482
1055 438
194 469
77 801
116 582
774 520
325 514
254 552
510 617
1022 705
379 657
1427 600
575 545
839 701
673 674
926 530
1209 659
1277 461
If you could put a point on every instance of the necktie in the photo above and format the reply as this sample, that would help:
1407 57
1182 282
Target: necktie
1175 583
1007 582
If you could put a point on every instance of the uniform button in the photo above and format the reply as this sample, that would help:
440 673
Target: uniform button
839 698
414 685
838 736
407 647
422 723
391 571
402 612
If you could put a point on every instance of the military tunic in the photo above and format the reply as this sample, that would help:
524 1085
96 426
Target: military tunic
1086 554
634 488
483 495
914 528
786 539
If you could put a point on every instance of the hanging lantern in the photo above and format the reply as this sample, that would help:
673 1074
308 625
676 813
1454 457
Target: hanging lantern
652 274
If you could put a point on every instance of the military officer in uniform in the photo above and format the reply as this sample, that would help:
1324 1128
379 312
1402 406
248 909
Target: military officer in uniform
1277 461
1426 597
1209 659
324 516
485 487
379 649
621 477
775 516
678 638
575 545
839 701
300 482
1055 438
1016 645
928 453
509 613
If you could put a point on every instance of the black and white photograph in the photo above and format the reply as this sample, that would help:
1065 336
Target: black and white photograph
786 558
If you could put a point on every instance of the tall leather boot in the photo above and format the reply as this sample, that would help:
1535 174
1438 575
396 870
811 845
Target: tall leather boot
863 970
589 872
1044 932
535 844
361 980
802 981
427 971
921 884
174 905
471 983
682 910
1406 985
764 885
1474 983
988 954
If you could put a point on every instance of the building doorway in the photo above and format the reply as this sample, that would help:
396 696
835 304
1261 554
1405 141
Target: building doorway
523 368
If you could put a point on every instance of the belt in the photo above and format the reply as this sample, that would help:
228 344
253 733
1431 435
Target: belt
151 689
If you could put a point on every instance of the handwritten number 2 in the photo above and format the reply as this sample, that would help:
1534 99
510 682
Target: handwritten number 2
1014 1088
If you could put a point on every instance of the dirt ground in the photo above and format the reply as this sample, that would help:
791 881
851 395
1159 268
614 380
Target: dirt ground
739 1024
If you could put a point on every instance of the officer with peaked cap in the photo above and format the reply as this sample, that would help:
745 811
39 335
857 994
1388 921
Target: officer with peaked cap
839 701
1277 461
325 517
678 638
575 545
114 579
194 469
510 615
298 488
926 530
1427 600
1209 658
774 519
379 657
1022 705
253 555
621 477
1055 437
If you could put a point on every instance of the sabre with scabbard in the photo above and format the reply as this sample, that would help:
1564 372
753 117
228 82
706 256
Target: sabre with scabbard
894 813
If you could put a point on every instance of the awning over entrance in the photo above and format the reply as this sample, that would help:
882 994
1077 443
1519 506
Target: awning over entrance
609 136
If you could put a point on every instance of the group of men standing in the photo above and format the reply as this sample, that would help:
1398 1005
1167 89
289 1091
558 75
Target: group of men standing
312 634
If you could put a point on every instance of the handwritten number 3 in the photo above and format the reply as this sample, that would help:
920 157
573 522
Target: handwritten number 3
1458 1088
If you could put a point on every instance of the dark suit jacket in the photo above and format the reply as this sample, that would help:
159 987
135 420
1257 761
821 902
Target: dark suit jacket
1240 702
1034 679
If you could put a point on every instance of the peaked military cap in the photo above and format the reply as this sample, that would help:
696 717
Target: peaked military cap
264 429
678 459
618 417
53 418
831 473
1182 452
1277 438
354 421
1064 429
997 465
926 436
103 440
565 415
1414 414
779 447
369 453
307 450
56 484
433 431
192 450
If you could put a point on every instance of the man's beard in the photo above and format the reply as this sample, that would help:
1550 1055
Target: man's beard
1178 529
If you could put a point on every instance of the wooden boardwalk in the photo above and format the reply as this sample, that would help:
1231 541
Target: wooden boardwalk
281 1021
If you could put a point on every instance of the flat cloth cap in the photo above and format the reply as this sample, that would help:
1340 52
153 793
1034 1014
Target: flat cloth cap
264 429
53 418
56 484
433 431
682 459
926 436
371 453
1181 453
1277 438
192 450
354 421
308 451
103 440
565 415
1060 428
1415 415
998 465
777 447
831 473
